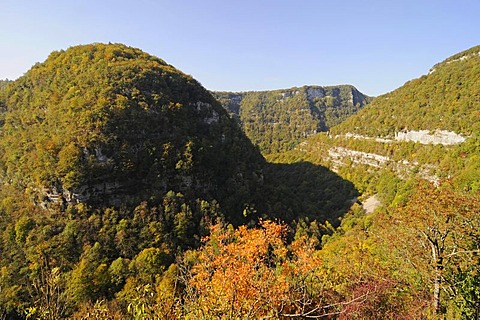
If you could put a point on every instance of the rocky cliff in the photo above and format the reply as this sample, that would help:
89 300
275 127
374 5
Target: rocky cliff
278 120
429 128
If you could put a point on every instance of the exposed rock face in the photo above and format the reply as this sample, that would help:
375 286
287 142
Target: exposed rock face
338 157
316 92
442 137
339 154
113 192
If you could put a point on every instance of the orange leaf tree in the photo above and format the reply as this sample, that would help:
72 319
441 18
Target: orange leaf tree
252 273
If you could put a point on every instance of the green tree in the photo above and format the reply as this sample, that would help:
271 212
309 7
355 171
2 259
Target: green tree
438 229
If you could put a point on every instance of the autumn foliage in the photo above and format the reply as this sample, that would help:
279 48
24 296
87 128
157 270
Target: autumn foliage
251 273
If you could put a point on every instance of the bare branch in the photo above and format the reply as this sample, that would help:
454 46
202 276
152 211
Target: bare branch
309 314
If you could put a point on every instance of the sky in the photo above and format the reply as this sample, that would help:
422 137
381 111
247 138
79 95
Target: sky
375 45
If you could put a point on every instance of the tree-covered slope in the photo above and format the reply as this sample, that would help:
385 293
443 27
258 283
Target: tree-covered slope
429 128
447 98
112 164
3 83
278 120
111 124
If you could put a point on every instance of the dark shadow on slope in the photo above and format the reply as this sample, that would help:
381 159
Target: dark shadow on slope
306 190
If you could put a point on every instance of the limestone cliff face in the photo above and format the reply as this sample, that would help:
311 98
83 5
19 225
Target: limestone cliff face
442 137
428 128
278 120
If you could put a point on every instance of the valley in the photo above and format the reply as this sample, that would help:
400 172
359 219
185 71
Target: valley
278 120
129 191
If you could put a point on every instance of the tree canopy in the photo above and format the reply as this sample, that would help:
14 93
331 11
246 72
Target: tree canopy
128 192
278 120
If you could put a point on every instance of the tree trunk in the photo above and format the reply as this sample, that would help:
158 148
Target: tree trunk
437 260
437 281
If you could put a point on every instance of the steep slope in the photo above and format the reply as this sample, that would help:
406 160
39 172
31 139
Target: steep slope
3 84
110 124
428 128
447 98
112 164
277 120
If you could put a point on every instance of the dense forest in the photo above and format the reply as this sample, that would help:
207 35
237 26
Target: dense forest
278 120
108 156
129 192
352 146
446 98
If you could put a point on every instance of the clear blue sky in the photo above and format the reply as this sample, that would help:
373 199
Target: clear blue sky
244 45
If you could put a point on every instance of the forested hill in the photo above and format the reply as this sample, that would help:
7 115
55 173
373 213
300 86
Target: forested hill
429 128
278 120
112 125
445 99
112 164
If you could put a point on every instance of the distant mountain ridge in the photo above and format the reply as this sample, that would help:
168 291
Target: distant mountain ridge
429 128
277 120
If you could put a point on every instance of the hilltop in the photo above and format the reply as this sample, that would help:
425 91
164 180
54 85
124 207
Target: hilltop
112 125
